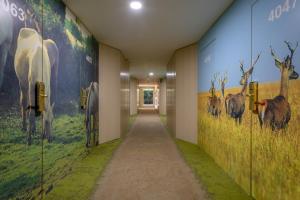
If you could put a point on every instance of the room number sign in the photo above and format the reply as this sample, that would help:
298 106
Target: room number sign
279 10
13 9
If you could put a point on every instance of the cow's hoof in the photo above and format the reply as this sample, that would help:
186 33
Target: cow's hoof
97 143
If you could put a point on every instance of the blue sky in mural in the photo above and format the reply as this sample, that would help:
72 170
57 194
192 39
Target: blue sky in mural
229 41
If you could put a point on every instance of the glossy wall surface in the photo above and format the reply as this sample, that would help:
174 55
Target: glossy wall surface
42 41
253 41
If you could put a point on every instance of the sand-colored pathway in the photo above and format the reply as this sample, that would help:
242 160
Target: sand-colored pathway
148 166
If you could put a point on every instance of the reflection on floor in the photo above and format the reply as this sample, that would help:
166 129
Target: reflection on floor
148 165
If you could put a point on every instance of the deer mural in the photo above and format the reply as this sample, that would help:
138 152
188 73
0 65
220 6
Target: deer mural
222 81
235 103
214 102
276 113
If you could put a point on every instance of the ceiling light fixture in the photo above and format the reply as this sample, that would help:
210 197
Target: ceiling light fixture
136 5
151 74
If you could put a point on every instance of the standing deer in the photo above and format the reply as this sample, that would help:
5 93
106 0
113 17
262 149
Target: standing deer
214 102
276 112
235 103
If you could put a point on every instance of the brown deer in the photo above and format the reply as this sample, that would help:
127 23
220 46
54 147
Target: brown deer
276 113
235 103
214 102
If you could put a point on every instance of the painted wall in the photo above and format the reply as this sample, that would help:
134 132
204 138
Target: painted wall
110 87
171 95
162 97
54 47
182 94
133 96
263 161
125 96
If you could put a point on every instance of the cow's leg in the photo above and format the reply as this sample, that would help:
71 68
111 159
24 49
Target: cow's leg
31 115
88 132
94 129
240 120
23 103
3 56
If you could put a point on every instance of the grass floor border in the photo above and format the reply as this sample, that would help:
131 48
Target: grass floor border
218 184
81 182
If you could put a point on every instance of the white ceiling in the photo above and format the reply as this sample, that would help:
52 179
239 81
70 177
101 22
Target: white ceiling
148 37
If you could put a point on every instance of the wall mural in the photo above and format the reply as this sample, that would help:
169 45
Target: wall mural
253 41
42 41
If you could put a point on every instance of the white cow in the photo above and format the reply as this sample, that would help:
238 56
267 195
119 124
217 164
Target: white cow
32 64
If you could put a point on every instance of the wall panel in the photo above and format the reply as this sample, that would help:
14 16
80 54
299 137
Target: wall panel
61 53
254 149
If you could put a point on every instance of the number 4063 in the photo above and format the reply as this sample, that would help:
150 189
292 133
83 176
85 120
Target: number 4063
277 12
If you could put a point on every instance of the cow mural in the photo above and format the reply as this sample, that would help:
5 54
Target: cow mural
91 113
32 64
42 41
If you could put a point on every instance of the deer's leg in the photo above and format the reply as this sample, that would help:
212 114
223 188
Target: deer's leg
240 120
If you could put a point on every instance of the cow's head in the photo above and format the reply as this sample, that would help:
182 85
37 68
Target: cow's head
48 121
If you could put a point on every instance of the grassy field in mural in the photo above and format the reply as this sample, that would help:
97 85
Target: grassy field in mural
276 155
20 165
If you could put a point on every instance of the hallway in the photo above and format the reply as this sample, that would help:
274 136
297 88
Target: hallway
148 165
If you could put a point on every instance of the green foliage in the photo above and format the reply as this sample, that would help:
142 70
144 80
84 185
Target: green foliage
218 184
73 28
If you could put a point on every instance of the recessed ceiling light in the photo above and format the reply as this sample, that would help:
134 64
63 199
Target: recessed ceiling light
151 74
136 5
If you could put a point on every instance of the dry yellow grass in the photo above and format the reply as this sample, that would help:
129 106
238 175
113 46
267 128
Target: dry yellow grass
276 155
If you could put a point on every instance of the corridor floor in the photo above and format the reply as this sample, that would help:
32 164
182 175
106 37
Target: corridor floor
148 166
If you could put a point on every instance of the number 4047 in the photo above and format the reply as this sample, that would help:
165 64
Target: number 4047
277 12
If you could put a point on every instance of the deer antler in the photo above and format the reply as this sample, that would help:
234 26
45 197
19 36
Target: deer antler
254 63
225 78
242 66
277 60
291 49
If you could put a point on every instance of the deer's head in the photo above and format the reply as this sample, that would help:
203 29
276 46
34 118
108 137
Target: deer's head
286 66
212 89
222 81
246 74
